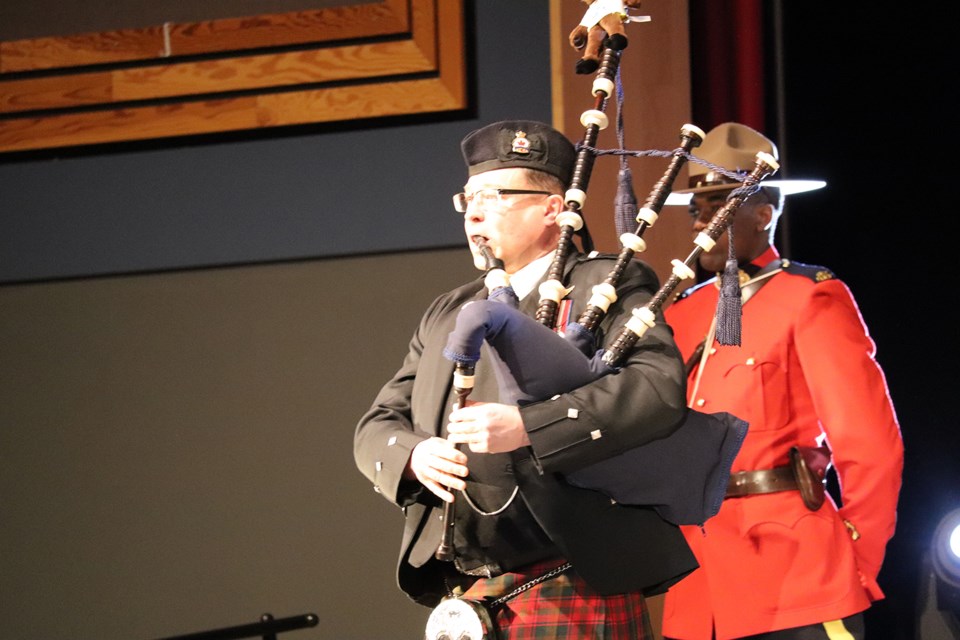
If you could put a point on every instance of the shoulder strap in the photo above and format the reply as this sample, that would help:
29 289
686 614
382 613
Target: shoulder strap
751 286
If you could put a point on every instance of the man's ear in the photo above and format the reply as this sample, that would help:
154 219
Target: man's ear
555 206
764 217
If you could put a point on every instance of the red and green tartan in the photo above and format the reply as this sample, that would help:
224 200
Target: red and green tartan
563 607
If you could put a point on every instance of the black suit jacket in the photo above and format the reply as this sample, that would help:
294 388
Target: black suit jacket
615 548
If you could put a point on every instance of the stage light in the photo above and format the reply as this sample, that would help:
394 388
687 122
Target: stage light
945 557
938 601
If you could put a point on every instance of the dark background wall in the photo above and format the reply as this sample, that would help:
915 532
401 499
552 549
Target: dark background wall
189 332
175 449
866 110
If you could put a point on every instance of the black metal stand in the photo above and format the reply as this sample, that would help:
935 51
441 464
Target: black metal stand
267 628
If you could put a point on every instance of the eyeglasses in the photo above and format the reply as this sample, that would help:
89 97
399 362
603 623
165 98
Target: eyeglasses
489 199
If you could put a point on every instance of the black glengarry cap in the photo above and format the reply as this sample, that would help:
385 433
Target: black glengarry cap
519 143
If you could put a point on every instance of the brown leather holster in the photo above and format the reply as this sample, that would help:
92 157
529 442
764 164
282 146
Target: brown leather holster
809 466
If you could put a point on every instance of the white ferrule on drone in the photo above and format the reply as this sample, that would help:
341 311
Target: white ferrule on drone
682 271
641 320
603 85
648 215
704 241
633 242
553 290
604 295
594 116
575 195
570 218
768 160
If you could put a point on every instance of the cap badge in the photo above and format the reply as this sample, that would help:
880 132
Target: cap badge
520 144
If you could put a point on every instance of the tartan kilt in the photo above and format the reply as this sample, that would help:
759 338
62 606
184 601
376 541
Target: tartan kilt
563 607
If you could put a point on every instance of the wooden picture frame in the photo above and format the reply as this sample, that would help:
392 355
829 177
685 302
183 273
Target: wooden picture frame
388 58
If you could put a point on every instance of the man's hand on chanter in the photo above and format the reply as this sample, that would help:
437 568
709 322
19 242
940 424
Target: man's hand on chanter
488 427
438 465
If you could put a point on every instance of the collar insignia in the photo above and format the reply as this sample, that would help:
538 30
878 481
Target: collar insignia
742 276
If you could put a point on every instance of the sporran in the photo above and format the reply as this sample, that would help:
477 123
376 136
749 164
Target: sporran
465 619
460 619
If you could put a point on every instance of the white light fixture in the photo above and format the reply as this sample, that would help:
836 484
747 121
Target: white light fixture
945 556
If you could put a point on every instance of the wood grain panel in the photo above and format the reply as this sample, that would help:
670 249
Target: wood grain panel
422 72
82 49
215 76
268 110
55 92
390 17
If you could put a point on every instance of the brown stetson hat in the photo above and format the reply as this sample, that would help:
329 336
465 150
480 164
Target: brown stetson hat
734 147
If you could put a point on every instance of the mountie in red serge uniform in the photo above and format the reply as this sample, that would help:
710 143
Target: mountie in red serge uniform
803 339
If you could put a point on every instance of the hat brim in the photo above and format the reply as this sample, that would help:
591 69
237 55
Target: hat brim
786 187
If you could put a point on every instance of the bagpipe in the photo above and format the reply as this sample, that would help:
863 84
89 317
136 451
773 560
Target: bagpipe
684 475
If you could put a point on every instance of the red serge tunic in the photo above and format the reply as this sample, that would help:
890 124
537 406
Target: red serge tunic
805 372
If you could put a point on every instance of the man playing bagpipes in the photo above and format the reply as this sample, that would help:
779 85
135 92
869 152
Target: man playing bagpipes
550 559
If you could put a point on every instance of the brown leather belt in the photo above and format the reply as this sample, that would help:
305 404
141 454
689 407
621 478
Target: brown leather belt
745 483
